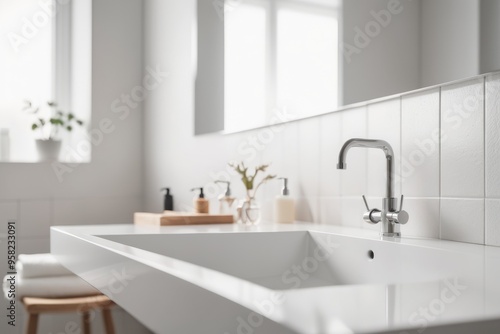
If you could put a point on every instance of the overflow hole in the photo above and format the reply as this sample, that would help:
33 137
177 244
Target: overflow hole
371 254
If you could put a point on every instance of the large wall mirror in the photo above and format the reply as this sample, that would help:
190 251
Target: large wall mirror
266 61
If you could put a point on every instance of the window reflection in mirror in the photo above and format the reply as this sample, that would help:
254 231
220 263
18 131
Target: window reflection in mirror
266 44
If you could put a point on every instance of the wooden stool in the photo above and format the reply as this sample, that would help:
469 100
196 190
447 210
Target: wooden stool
37 306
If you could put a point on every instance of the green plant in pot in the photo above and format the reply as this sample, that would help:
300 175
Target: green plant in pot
248 209
49 123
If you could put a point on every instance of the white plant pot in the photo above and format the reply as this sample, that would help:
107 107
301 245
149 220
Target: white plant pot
48 150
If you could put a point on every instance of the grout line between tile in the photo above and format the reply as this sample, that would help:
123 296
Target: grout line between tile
400 145
18 225
484 158
440 159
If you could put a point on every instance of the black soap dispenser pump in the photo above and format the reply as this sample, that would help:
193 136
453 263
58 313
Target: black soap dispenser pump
168 203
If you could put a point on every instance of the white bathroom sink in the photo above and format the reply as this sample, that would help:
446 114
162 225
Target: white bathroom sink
301 259
285 279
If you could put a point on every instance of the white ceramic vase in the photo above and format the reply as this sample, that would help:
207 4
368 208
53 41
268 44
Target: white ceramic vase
48 149
249 212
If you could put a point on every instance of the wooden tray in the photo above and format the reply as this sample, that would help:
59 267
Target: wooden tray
180 218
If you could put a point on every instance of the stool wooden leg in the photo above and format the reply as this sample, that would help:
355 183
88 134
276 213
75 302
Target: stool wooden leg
86 322
32 325
108 321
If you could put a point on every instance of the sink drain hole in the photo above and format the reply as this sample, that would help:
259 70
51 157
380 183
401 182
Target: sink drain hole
371 255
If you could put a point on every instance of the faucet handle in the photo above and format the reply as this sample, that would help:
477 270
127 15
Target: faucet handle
372 216
366 203
399 217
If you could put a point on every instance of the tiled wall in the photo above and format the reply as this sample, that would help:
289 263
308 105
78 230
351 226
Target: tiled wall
492 161
445 139
34 218
447 145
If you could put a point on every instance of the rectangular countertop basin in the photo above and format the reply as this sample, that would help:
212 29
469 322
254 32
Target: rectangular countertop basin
301 259
286 279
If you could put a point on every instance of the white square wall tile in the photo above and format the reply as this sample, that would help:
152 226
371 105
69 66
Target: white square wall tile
329 175
281 153
462 220
420 144
266 210
307 209
492 136
351 213
8 212
353 179
329 210
289 166
35 218
424 218
492 222
309 157
273 155
462 139
89 211
384 123
34 246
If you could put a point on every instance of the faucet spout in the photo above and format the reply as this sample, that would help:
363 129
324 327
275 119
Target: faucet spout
388 215
371 143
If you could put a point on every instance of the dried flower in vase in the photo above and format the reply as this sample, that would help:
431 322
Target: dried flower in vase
248 176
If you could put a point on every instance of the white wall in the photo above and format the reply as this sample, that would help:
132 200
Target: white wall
489 32
173 156
80 90
105 191
450 40
209 99
390 53
430 42
159 148
444 180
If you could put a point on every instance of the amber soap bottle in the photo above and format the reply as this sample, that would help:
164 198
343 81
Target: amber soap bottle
200 202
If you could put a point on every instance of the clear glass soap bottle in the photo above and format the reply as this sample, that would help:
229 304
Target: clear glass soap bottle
227 203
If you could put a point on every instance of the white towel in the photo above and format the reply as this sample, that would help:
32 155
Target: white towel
39 265
49 287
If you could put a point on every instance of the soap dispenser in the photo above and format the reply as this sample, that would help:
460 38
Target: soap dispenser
168 202
284 205
200 202
226 201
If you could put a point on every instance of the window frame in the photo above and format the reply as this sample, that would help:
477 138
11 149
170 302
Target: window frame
61 57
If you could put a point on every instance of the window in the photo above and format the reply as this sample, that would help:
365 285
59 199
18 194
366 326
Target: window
245 67
35 62
280 54
26 67
307 36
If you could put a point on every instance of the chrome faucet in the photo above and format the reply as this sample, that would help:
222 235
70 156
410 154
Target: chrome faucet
390 217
